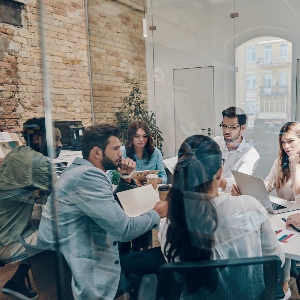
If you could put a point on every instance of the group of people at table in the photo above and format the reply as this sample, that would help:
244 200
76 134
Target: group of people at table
206 218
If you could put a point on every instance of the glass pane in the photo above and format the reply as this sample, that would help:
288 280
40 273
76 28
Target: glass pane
188 35
274 65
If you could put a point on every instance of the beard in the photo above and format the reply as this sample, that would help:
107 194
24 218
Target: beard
109 164
233 138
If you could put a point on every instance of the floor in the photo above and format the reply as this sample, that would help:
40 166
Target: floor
7 272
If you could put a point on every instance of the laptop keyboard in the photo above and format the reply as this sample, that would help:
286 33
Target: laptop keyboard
277 206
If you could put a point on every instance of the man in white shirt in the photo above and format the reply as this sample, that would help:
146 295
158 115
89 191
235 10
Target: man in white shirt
238 155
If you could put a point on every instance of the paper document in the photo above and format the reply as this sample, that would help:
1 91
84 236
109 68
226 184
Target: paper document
170 163
286 235
5 137
139 200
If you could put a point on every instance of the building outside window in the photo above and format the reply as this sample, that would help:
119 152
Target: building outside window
251 82
251 54
268 54
250 107
284 51
267 83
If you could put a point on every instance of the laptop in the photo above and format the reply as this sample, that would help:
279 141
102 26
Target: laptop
255 187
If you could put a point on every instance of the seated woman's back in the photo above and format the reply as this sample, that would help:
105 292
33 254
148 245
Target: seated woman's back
203 225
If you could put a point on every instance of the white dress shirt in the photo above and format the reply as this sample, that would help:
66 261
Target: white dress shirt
244 231
244 159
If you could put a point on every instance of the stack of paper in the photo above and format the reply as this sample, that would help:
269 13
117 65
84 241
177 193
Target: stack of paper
139 200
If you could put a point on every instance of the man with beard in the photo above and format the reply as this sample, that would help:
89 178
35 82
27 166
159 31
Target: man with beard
25 179
91 222
237 154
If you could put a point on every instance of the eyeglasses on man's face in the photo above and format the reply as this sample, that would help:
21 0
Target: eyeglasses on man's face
230 128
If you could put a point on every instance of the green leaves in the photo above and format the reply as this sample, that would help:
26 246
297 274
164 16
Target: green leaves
133 109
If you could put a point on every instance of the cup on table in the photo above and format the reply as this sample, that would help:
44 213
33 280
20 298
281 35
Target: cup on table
152 179
163 192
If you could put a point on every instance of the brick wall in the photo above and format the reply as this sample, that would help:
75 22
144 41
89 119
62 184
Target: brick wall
20 65
117 51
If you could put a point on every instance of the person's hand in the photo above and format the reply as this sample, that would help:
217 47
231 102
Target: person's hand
294 160
159 180
126 166
293 220
161 207
235 190
223 183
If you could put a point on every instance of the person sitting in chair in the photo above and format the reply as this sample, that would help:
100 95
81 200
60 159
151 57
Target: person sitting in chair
25 178
204 225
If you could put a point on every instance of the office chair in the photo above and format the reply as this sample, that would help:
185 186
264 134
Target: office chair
235 279
45 274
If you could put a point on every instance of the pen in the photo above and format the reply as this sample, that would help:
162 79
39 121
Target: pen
292 226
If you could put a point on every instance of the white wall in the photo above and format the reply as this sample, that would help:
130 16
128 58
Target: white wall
193 33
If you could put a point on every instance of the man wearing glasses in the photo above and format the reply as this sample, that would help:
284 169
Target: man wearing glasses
238 155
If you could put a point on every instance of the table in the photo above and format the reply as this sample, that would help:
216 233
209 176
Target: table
292 248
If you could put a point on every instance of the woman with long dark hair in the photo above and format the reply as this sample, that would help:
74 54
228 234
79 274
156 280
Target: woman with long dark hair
139 147
203 225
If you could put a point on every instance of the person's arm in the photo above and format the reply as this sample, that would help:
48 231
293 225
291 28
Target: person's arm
270 181
295 162
162 175
293 220
269 242
94 197
247 165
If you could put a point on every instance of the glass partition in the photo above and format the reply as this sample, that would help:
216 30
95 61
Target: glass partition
174 64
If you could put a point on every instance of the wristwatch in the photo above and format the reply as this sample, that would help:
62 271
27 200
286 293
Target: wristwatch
125 176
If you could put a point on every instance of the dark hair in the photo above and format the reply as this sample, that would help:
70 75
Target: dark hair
192 216
34 126
235 112
97 136
149 148
283 159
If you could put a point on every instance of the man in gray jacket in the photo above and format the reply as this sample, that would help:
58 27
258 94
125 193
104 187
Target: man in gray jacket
90 220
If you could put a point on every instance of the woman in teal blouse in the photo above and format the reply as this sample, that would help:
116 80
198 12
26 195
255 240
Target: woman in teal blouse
139 147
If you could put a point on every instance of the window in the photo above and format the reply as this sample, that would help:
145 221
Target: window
251 54
268 54
283 78
267 83
251 82
251 107
11 12
283 50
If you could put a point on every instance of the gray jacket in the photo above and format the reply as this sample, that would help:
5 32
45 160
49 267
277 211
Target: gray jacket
91 222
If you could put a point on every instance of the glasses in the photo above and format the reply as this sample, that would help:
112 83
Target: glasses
230 128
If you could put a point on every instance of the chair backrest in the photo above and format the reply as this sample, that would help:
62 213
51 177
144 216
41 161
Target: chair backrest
45 274
243 278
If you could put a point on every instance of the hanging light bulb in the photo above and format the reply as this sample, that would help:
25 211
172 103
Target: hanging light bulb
144 27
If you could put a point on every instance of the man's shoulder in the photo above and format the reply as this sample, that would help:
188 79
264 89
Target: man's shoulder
250 149
82 169
218 139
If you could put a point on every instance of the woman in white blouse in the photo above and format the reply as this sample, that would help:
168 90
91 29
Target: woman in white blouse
203 225
282 177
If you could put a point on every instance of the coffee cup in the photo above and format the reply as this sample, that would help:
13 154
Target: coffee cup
163 192
152 179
